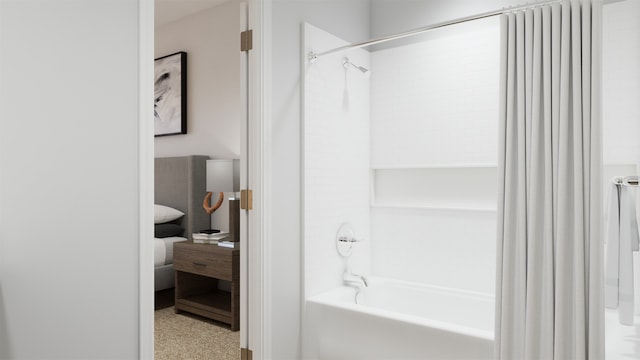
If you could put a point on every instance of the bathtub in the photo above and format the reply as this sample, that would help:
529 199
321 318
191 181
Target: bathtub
400 321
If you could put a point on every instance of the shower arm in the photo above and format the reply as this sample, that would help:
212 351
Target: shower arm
346 62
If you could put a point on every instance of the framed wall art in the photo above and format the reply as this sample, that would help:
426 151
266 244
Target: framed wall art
170 98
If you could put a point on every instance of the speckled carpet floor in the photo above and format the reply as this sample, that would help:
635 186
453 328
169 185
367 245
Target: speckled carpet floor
187 337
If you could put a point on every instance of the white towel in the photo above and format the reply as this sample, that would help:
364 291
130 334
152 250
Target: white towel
622 238
612 216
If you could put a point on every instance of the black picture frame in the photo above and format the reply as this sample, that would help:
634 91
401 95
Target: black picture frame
170 94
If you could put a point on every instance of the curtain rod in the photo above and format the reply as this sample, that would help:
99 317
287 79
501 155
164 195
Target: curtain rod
312 56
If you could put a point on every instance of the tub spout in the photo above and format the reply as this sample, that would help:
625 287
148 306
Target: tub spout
354 279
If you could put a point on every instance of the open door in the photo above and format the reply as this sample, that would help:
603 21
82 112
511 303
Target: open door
254 270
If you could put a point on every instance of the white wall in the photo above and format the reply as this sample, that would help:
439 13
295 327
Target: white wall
621 129
347 19
211 39
336 162
69 179
621 82
621 91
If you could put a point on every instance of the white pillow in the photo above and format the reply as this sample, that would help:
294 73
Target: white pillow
163 214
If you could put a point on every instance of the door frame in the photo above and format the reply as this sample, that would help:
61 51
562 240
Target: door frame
258 309
146 38
259 152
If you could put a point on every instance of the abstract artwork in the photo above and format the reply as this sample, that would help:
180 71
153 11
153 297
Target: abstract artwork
170 99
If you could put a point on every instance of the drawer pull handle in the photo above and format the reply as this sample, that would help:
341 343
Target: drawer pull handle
199 264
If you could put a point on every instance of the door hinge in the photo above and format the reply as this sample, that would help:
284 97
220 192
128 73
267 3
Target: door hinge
246 354
246 40
246 199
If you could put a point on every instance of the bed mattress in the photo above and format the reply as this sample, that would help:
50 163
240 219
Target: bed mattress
163 250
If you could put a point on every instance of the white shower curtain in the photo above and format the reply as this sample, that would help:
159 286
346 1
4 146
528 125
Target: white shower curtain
549 297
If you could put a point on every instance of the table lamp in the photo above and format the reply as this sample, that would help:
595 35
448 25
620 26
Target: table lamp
222 176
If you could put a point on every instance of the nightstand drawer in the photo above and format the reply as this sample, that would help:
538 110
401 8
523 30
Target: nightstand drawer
206 263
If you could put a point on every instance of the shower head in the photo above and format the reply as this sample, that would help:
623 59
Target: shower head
346 63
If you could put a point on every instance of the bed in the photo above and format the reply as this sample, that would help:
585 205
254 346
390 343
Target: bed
180 183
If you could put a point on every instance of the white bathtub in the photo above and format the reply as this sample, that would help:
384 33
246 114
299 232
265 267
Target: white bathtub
399 320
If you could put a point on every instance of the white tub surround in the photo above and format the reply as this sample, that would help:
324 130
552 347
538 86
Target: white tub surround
399 320
336 161
434 135
346 120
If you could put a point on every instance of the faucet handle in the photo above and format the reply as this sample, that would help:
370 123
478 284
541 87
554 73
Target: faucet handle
345 239
349 239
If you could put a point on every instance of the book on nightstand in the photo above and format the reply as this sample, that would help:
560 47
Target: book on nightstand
227 244
212 239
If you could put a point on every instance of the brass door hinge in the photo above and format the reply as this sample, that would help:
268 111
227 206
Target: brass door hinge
246 40
246 199
246 354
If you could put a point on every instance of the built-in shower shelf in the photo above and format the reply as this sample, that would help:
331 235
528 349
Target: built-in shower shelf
437 188
470 208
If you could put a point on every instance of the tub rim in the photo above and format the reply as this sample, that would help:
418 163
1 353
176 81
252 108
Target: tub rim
326 299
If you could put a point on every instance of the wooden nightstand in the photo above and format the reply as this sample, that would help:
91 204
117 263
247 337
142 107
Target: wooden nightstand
198 268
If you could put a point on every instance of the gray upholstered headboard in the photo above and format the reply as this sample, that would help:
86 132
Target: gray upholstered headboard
180 182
